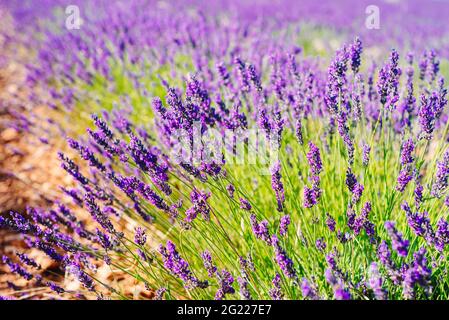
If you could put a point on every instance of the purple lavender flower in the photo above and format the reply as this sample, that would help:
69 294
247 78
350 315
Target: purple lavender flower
441 181
247 264
399 244
362 222
277 185
225 280
147 192
74 194
351 180
330 277
17 269
336 81
276 291
418 193
97 214
54 287
223 73
375 282
243 75
25 259
48 250
423 66
104 240
310 197
366 153
254 77
408 105
343 237
244 290
417 274
349 144
264 122
442 235
284 262
441 100
330 222
245 205
207 261
102 125
176 265
200 206
283 225
140 238
230 188
355 51
419 223
308 292
357 96
86 154
357 193
260 230
75 269
426 117
18 223
147 160
277 125
341 294
387 86
159 294
314 159
384 253
298 131
403 179
406 153
434 64
429 66
320 244
70 166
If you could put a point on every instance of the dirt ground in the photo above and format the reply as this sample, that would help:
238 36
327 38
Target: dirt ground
30 175
29 169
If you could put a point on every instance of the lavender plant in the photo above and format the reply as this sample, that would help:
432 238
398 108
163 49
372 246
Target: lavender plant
344 195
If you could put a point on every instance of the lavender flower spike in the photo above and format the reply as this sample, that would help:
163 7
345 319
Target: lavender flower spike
366 153
284 262
277 185
207 260
406 154
283 226
403 179
375 282
314 158
276 291
399 244
442 177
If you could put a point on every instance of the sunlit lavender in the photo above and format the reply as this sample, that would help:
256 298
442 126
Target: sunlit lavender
238 150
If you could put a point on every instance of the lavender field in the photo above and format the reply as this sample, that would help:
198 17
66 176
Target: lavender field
227 150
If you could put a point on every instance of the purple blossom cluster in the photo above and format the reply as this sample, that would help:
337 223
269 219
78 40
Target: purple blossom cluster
312 195
340 133
179 267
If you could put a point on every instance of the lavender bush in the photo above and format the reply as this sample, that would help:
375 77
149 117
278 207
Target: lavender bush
342 195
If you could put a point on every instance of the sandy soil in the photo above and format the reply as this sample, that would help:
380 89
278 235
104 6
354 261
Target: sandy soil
29 169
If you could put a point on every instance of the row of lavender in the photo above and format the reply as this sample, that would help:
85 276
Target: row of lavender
353 168
137 31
